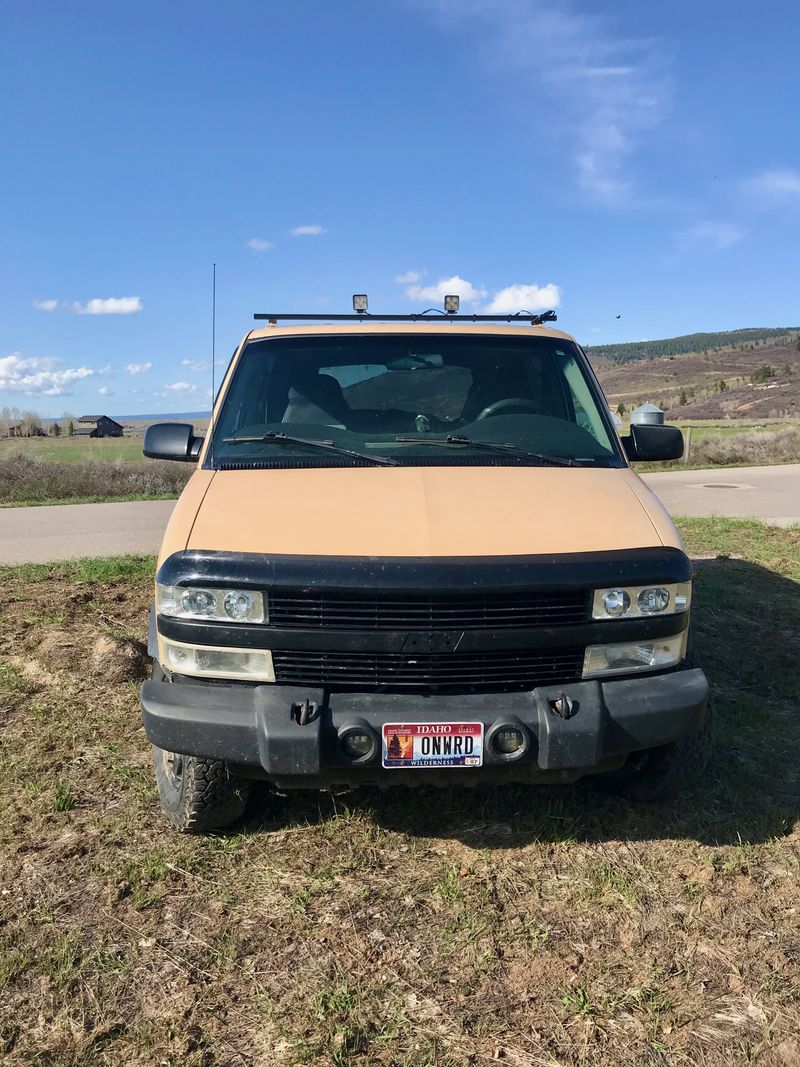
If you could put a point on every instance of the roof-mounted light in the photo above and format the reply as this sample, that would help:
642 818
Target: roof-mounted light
451 304
360 303
421 316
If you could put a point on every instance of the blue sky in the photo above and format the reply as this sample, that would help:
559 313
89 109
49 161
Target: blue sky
616 158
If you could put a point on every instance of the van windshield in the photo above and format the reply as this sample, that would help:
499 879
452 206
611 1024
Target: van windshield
412 399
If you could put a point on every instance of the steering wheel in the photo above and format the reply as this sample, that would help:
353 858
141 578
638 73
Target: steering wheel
518 402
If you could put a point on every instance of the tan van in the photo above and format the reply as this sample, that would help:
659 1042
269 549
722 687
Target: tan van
414 552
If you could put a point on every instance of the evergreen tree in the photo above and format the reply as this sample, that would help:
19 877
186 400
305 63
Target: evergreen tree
762 374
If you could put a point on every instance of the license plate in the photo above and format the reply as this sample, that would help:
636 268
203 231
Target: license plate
432 744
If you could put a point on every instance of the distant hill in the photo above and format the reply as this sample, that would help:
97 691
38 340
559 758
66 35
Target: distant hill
755 380
165 416
695 342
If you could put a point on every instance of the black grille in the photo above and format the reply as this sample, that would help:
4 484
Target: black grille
458 670
368 610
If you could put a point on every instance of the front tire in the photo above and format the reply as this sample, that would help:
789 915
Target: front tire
662 773
197 795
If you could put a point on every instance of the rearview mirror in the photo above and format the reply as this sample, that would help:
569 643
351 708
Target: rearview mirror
653 443
172 440
416 361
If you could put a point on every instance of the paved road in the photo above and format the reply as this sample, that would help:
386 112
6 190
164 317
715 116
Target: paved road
69 531
768 493
37 535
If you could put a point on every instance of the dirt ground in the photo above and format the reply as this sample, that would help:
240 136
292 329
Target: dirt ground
526 927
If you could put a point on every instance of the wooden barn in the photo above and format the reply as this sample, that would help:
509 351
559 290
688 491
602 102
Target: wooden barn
97 426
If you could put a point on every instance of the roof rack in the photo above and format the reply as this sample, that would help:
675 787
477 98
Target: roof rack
424 316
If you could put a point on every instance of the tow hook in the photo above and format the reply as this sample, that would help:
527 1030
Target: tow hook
304 713
562 706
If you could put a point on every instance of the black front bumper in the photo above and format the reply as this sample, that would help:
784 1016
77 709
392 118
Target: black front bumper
256 728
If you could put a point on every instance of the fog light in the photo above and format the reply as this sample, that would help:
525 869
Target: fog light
508 740
357 744
601 660
204 661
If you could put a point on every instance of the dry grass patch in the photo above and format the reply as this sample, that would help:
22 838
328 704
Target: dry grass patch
756 448
518 926
27 479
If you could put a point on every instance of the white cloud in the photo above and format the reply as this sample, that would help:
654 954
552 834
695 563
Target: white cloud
258 244
105 391
409 278
182 391
506 301
714 235
307 231
138 368
524 298
194 364
112 305
780 185
607 72
435 294
39 376
581 72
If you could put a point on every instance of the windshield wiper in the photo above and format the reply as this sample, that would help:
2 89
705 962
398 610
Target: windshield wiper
275 438
489 446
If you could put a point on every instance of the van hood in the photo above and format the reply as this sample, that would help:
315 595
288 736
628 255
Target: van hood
427 511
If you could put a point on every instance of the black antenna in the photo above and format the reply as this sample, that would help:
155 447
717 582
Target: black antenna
213 357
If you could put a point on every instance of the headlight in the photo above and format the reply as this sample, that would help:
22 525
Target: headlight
633 656
641 601
202 661
217 605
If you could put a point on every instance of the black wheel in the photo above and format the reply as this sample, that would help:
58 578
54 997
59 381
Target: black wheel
662 773
197 795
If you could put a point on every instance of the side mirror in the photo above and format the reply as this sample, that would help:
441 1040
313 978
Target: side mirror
653 443
172 440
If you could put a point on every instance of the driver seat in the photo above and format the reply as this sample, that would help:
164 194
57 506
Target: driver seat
316 399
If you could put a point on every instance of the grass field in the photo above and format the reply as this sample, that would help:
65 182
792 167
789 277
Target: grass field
529 927
76 449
